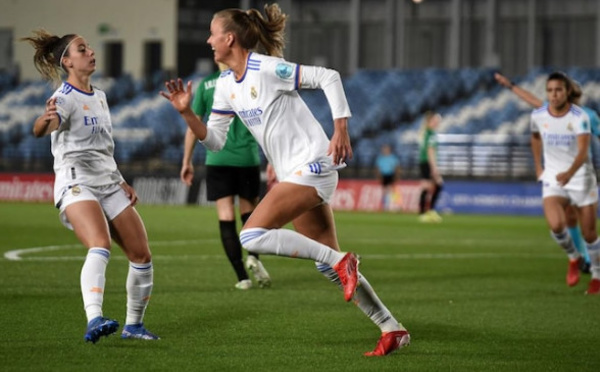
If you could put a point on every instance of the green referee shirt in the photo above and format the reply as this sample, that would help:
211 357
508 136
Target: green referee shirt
429 140
240 150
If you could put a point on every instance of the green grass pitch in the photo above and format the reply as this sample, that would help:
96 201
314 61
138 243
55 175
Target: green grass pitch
477 293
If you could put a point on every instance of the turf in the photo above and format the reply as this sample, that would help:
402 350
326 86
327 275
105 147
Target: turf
478 293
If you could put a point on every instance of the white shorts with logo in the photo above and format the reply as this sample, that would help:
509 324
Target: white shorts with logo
320 175
112 199
580 198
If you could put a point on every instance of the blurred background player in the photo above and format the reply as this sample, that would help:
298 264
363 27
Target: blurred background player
233 171
431 179
93 198
561 132
262 91
387 167
571 212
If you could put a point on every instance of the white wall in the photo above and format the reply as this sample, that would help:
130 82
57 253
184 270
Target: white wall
131 21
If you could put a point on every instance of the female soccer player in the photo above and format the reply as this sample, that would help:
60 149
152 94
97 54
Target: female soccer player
570 211
93 198
262 90
232 171
431 179
562 131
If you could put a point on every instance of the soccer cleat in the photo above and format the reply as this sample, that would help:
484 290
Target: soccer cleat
573 272
389 342
434 216
138 332
258 271
593 287
244 284
430 217
99 327
347 270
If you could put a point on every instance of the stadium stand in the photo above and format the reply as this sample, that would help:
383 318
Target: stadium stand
484 131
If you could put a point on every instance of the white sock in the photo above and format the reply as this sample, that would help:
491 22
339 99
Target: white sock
564 240
594 252
284 242
92 281
366 300
139 287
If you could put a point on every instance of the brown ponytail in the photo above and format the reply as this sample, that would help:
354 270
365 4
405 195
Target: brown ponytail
253 31
48 52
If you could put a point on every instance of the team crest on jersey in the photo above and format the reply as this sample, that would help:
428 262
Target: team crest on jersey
570 127
253 93
284 70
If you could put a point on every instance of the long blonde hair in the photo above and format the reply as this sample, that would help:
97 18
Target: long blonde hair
49 49
427 118
255 32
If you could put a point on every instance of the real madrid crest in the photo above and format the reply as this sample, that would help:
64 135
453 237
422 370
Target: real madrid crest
75 190
253 93
570 126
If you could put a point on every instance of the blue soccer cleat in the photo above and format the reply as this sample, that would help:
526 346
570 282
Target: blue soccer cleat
99 327
137 331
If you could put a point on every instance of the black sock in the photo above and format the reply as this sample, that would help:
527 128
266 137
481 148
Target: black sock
245 217
233 247
434 197
422 201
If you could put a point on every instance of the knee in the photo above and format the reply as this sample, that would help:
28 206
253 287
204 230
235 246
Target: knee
138 253
589 235
141 257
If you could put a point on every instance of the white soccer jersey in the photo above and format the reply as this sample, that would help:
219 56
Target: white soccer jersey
267 101
559 139
82 145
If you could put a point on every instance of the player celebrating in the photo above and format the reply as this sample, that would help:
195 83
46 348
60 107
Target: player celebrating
262 91
93 198
570 211
562 130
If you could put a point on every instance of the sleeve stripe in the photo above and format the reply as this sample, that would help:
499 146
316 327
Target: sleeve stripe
221 112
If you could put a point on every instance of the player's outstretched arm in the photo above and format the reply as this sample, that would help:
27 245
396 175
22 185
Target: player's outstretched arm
525 95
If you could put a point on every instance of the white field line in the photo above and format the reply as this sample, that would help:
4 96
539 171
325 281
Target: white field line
21 254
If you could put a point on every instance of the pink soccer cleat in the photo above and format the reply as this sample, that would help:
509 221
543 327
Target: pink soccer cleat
390 342
593 287
573 272
347 270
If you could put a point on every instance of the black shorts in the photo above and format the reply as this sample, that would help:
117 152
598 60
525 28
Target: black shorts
387 179
425 171
222 181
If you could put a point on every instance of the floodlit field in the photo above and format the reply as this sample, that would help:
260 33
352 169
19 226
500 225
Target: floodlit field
478 293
